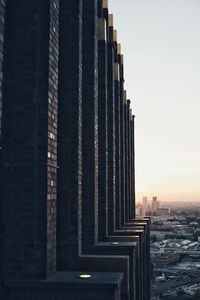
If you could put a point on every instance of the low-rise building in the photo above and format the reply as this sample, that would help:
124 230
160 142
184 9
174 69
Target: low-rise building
164 259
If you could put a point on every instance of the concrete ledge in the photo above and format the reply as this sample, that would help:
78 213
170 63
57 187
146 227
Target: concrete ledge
139 273
68 285
72 279
136 232
108 263
133 230
125 247
123 238
139 223
118 248
142 232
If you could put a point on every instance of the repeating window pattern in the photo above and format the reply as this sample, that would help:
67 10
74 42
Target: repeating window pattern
52 135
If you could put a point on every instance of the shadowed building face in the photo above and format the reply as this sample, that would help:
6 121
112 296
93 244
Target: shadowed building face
29 138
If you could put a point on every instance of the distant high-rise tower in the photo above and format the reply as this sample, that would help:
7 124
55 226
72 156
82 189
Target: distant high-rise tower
145 204
155 204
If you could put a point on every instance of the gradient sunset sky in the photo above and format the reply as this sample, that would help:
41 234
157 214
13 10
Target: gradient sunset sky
161 46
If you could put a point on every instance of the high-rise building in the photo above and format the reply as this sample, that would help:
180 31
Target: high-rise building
155 204
145 204
67 188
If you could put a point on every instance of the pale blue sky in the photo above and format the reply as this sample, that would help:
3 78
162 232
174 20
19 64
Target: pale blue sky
161 45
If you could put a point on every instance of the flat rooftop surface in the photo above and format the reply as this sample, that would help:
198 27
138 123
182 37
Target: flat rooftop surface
101 280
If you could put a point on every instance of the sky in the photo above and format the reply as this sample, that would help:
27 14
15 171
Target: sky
161 46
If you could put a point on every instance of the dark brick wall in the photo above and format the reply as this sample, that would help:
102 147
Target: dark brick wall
52 111
111 137
129 160
118 150
69 135
90 123
29 138
122 141
132 166
127 208
102 134
2 8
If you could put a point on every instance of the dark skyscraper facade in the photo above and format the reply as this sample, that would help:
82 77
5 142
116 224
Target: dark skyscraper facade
69 136
29 138
2 7
67 177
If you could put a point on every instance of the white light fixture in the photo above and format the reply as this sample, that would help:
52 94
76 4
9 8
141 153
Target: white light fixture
85 276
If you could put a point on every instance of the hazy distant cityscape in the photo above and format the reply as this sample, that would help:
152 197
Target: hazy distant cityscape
175 247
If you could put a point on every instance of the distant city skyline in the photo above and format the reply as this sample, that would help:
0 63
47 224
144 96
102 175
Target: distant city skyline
160 41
